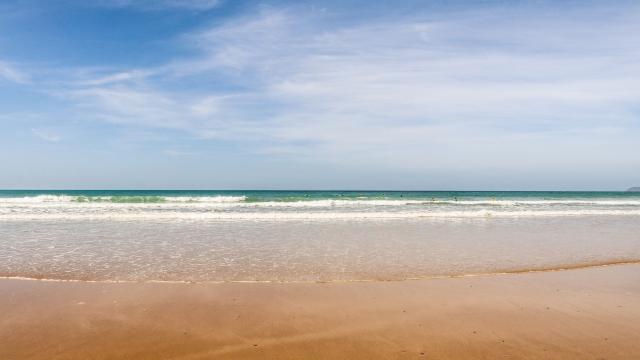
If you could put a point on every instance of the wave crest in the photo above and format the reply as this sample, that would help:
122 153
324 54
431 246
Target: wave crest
134 199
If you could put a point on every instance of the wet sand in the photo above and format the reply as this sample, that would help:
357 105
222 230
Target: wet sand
589 313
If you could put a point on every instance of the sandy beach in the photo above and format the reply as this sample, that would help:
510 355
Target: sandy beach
589 313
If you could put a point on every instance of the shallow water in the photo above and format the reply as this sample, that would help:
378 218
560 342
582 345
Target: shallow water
309 250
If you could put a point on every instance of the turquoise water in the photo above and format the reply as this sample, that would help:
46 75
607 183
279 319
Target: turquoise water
151 196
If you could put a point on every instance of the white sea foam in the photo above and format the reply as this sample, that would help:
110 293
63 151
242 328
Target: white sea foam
273 215
36 199
240 208
236 201
204 199
39 199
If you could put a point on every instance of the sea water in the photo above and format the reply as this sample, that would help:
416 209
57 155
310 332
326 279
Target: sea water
309 235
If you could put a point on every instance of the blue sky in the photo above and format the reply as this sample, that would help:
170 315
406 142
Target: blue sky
224 94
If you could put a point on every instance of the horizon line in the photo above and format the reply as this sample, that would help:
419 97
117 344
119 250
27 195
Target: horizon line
302 190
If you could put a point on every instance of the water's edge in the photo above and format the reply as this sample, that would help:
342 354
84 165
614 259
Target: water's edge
569 267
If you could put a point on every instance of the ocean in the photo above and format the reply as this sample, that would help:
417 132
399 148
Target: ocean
210 236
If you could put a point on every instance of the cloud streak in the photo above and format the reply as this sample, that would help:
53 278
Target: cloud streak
155 5
46 134
12 73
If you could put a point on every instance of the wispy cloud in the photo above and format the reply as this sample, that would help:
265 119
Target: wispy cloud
46 134
179 153
118 77
477 90
10 72
162 4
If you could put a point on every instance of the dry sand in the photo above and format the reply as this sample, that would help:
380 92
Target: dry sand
578 314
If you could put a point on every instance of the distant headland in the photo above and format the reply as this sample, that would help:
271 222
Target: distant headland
635 188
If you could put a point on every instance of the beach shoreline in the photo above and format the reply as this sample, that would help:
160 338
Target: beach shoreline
590 313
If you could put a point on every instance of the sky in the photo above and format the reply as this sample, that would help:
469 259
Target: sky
405 95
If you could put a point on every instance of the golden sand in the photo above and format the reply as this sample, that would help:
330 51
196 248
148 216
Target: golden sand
576 314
